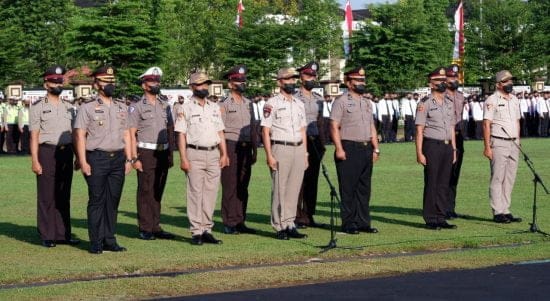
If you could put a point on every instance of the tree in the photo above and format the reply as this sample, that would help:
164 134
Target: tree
120 33
401 43
31 38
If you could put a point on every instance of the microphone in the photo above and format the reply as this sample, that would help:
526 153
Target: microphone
505 132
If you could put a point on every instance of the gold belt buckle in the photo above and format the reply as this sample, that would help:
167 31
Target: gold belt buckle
243 144
446 141
111 155
62 147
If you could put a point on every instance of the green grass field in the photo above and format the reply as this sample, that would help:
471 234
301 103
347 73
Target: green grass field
257 261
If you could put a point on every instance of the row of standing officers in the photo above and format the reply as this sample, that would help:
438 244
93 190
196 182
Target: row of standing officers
218 142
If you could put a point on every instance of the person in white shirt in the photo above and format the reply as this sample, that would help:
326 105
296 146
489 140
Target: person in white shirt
385 114
408 109
327 108
525 114
542 110
477 112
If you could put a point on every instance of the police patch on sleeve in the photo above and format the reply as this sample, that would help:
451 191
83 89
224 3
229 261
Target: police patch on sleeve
420 108
267 111
131 109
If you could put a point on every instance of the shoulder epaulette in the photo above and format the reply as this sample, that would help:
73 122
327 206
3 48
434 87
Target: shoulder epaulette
89 100
38 101
119 100
317 94
224 99
425 99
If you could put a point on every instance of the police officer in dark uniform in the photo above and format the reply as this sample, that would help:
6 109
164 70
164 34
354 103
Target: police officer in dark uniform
313 104
51 121
436 149
241 141
104 153
458 103
151 133
356 149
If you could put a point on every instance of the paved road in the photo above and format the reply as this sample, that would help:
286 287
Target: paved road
523 282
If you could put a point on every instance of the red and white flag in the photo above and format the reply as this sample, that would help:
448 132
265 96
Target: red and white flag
348 21
240 9
458 51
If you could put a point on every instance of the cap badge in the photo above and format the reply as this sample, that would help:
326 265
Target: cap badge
361 71
241 70
441 71
455 68
58 70
314 67
110 70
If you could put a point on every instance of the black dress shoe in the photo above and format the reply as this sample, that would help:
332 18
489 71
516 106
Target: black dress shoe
513 219
196 240
48 243
433 226
445 225
244 229
146 235
368 230
351 230
451 215
230 230
114 248
293 233
95 249
163 235
209 238
501 219
317 225
282 235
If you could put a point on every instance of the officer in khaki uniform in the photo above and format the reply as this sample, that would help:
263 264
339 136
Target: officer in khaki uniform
284 137
152 137
2 125
458 103
104 153
51 146
203 154
23 123
241 141
501 132
436 149
356 149
313 105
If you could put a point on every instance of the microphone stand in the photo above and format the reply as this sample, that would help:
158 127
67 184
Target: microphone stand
536 180
333 200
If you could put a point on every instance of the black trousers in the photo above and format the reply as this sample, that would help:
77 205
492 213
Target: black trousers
12 138
386 127
410 128
544 125
455 171
235 179
437 174
354 180
53 188
2 141
524 124
479 130
307 200
151 183
104 191
25 140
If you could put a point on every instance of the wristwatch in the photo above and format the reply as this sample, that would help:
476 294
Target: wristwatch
377 151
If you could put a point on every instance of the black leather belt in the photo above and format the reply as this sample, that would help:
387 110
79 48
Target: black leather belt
437 141
60 147
204 148
502 138
287 143
363 143
109 154
240 143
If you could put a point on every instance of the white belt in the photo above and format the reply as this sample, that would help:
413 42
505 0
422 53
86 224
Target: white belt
153 146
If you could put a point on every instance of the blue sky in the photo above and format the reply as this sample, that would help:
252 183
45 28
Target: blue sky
360 4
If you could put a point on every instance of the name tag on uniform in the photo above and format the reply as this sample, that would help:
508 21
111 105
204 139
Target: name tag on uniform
99 111
196 115
147 111
281 109
501 105
47 111
234 111
351 104
433 109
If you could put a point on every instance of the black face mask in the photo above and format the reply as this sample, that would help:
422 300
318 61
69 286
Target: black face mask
55 91
441 87
453 85
359 89
309 85
289 88
508 88
155 90
203 93
108 90
240 87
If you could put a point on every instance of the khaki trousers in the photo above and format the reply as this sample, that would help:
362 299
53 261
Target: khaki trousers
503 174
286 184
203 180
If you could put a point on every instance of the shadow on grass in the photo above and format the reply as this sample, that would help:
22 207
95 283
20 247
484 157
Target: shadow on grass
27 234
